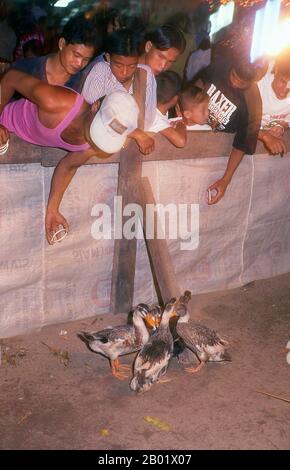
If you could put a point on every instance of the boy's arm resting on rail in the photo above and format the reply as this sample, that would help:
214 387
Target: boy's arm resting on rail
144 141
176 135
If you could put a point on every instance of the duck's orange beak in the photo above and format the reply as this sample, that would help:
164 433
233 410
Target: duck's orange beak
150 321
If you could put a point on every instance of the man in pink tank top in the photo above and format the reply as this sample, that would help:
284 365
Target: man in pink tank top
54 116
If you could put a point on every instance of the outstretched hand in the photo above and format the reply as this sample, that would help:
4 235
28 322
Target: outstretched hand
216 191
53 222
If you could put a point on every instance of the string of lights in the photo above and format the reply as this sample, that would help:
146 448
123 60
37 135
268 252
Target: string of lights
213 4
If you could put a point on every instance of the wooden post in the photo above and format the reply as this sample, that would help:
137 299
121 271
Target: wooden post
160 259
123 276
129 181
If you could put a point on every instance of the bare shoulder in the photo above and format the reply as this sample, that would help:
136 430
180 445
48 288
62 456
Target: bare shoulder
55 98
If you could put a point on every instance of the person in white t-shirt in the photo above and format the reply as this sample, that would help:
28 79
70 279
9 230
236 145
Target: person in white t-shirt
275 94
168 88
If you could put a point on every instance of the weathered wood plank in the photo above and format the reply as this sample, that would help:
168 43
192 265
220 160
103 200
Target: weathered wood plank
123 276
200 144
160 259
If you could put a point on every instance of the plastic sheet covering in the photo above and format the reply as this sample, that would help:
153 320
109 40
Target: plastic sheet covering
244 237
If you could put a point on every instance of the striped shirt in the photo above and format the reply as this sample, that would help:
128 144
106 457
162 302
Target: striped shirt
101 81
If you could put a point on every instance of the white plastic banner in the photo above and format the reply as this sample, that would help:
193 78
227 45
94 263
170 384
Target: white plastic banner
242 238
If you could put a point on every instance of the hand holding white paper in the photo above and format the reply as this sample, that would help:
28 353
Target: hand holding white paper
55 238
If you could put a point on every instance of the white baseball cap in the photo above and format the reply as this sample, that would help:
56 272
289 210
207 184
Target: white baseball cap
116 118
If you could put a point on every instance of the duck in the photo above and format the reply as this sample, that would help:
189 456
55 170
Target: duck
122 339
153 319
180 351
152 361
204 342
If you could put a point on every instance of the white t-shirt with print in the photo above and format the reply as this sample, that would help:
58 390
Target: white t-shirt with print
273 108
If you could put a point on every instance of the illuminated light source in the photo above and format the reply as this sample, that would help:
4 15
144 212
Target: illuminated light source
221 18
281 38
62 3
265 29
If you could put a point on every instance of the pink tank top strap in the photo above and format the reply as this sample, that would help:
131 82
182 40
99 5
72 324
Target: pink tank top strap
72 113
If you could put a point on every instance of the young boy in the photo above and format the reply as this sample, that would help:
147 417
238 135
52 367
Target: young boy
120 73
191 105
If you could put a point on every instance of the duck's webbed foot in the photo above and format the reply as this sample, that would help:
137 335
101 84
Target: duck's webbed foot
193 370
124 366
164 380
115 368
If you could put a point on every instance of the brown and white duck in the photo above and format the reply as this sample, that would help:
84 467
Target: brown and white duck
121 340
152 361
205 343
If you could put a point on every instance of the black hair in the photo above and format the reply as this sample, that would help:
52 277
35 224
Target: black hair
123 42
165 37
168 85
78 30
191 94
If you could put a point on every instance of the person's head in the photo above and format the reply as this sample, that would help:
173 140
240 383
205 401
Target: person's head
168 88
281 82
77 44
243 73
122 52
114 121
193 104
162 47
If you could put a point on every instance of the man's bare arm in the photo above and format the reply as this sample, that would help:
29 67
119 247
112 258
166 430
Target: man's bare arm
47 97
61 178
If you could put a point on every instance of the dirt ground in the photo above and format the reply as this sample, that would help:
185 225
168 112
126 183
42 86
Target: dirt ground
56 394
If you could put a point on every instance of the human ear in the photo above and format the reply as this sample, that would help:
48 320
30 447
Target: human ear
61 43
148 46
